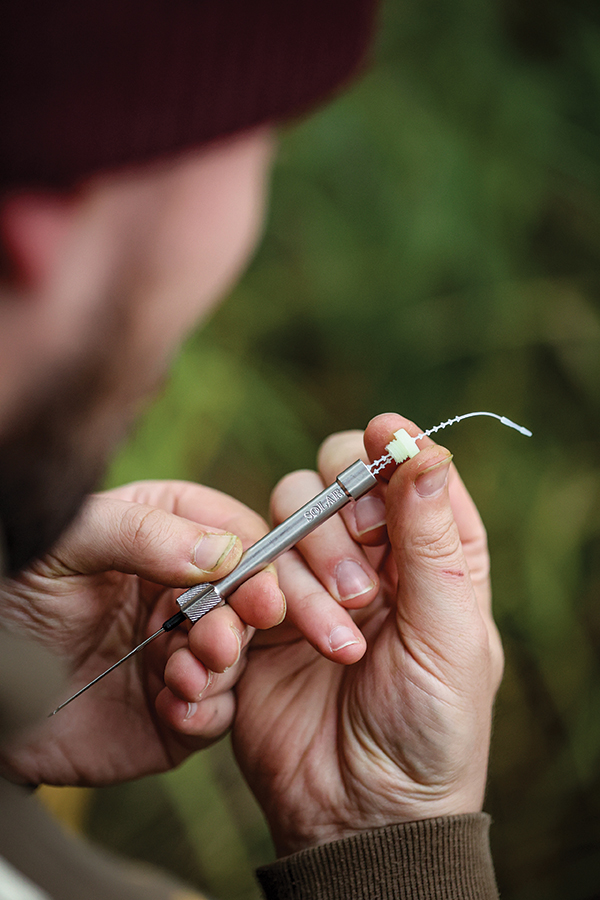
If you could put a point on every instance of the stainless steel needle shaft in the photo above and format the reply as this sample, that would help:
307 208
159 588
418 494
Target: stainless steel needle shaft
130 654
196 602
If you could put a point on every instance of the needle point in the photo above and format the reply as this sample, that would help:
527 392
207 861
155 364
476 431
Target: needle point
110 669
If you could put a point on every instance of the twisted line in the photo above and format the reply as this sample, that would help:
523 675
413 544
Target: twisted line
503 419
387 458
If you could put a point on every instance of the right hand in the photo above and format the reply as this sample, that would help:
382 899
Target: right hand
402 734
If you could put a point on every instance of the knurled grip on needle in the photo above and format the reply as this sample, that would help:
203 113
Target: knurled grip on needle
350 484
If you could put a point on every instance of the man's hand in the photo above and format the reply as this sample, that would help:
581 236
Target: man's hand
402 734
99 593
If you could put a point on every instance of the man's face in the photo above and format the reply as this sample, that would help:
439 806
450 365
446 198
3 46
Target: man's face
145 256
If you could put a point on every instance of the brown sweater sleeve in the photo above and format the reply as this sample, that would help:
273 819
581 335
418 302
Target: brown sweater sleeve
432 859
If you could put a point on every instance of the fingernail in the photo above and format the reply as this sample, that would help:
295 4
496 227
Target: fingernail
351 580
341 637
283 609
211 550
209 680
239 639
271 568
192 707
433 480
369 513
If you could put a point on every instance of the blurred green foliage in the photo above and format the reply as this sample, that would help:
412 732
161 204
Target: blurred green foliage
433 247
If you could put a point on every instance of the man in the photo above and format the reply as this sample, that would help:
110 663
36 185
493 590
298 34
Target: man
124 220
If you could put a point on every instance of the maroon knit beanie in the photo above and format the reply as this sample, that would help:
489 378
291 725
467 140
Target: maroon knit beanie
93 84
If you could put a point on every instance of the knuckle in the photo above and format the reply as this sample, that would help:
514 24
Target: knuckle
439 543
293 490
340 445
143 527
292 480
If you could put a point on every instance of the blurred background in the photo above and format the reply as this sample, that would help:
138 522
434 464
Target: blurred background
433 247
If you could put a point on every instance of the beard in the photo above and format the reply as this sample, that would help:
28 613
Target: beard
44 473
56 450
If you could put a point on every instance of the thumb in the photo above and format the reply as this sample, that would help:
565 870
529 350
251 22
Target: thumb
114 534
437 604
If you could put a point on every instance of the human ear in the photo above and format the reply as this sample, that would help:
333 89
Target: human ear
32 228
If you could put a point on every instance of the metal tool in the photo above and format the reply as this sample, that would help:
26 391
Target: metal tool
352 483
196 602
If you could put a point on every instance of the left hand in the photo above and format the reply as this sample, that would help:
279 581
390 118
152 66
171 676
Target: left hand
403 734
99 593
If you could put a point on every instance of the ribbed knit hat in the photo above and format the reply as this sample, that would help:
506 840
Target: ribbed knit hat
88 85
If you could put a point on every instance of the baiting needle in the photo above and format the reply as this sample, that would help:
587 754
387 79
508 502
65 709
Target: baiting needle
352 483
99 677
196 602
